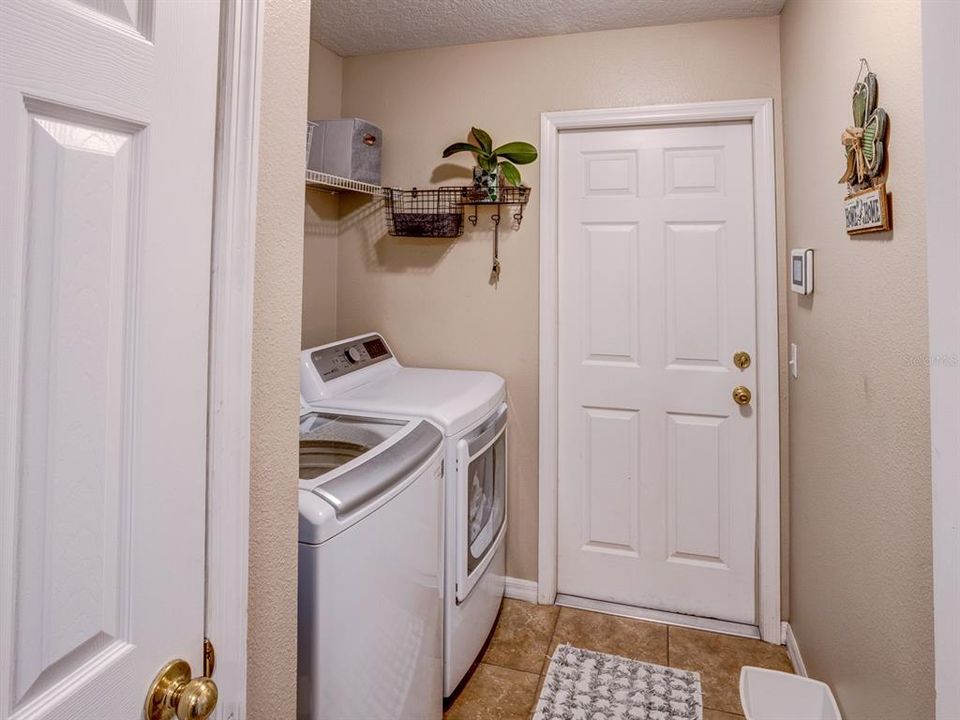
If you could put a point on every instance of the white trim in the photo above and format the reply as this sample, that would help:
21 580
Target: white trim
520 589
793 650
722 627
759 113
941 99
231 333
549 365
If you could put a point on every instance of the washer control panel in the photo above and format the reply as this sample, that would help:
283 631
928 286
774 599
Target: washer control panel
333 361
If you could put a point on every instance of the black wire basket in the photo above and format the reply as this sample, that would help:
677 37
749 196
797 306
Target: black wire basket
434 212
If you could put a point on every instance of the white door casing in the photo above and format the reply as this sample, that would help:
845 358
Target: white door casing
107 115
941 100
657 481
231 347
765 404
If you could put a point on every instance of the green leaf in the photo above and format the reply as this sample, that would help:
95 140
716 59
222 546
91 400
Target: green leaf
461 147
860 97
510 173
520 153
482 137
486 162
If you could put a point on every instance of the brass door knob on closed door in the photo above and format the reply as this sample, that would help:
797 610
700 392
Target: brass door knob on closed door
741 395
176 694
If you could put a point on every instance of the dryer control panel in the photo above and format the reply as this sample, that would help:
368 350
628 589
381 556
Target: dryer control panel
333 361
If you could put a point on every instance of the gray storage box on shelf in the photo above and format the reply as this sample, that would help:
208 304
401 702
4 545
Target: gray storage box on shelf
348 148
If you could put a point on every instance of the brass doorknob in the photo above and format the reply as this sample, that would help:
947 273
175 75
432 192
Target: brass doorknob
175 694
741 358
741 395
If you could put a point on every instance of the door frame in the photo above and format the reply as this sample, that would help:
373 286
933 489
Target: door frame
231 347
940 24
759 112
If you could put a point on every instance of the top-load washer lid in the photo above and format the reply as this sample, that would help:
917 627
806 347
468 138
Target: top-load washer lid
349 461
361 375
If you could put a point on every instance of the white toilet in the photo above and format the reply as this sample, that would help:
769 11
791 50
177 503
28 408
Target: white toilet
772 695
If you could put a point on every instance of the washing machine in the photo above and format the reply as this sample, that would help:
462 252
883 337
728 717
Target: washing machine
362 375
370 566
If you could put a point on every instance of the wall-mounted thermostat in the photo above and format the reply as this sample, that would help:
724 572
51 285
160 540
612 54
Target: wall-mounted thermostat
801 271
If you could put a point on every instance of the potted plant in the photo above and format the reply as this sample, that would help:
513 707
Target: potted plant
494 162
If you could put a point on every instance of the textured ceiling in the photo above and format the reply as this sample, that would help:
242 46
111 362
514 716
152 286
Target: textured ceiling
367 27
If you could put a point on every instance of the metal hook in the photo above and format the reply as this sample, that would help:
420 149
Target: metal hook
495 273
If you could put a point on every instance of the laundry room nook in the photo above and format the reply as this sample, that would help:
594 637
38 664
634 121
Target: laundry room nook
530 360
486 201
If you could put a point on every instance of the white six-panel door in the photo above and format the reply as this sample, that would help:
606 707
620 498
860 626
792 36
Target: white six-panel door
657 494
107 118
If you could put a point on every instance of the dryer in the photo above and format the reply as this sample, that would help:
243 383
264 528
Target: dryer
362 375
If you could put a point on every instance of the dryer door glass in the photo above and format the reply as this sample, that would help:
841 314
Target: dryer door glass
486 501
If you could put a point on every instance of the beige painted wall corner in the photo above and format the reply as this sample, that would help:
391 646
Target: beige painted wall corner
272 623
860 561
321 221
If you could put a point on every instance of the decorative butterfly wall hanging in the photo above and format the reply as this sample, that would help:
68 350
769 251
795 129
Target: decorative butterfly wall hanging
866 207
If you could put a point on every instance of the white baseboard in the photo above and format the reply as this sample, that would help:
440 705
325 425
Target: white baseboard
519 589
793 650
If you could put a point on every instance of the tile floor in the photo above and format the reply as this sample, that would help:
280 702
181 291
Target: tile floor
505 683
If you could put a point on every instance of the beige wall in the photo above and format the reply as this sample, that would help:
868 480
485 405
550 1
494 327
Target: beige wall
321 211
432 297
859 413
325 83
272 619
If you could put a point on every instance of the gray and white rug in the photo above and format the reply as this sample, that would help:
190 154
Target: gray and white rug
588 685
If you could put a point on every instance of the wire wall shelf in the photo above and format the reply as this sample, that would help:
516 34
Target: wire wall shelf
335 183
501 195
435 212
439 212
505 195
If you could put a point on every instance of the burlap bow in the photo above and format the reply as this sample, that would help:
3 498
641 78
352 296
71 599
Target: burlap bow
852 139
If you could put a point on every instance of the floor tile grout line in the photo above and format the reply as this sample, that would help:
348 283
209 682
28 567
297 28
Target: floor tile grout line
545 663
508 667
556 620
504 667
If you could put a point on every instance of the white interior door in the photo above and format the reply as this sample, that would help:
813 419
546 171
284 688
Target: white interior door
657 495
107 117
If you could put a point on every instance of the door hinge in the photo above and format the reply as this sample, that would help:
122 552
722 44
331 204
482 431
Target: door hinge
209 658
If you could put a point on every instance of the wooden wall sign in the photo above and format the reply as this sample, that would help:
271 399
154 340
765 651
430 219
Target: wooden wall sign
867 211
867 206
